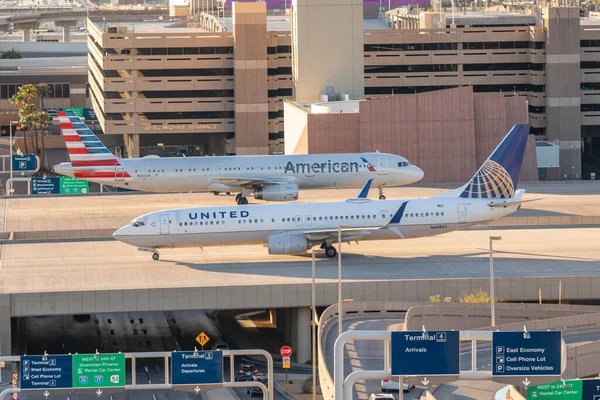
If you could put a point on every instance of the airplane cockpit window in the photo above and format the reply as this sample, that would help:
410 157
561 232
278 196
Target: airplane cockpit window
403 164
138 223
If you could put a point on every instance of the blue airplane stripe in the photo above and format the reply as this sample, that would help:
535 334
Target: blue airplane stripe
398 216
98 151
364 159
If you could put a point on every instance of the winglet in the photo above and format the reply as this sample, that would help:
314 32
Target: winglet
365 190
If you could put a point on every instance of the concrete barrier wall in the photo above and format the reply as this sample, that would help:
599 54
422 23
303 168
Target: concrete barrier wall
578 220
465 317
63 234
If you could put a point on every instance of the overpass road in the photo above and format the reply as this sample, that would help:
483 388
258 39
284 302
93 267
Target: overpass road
368 355
110 265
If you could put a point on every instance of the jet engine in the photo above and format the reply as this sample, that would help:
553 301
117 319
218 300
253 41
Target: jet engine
287 243
284 192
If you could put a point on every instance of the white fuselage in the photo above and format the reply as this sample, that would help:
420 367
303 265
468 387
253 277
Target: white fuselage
182 174
245 225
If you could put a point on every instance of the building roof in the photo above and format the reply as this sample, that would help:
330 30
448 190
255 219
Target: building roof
44 66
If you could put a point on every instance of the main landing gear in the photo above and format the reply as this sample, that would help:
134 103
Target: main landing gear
381 195
330 251
241 200
217 193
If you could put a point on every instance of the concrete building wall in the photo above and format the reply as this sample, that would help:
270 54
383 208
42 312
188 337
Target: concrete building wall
563 98
327 48
433 130
447 133
250 71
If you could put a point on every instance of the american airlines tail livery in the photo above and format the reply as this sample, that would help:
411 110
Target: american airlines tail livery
294 228
270 178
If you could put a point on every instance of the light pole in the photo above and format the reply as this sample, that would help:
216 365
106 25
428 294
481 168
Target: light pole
492 295
314 330
340 227
10 145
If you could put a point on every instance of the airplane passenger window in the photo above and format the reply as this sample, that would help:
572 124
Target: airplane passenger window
272 219
256 221
282 219
201 223
351 217
427 214
368 217
217 222
249 221
336 217
185 223
442 214
261 221
374 216
180 224
437 214
211 222
239 221
405 215
411 215
308 218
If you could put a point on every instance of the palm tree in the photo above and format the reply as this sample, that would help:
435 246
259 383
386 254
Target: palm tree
31 116
22 100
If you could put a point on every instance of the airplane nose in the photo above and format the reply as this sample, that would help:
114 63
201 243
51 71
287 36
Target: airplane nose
418 172
121 233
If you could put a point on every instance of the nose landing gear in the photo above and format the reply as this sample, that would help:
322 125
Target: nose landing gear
381 195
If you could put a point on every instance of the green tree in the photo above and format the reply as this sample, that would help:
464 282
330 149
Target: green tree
31 118
12 54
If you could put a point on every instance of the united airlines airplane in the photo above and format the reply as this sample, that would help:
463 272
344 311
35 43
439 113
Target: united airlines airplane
294 228
270 178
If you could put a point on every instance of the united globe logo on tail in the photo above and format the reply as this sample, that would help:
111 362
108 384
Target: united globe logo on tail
491 181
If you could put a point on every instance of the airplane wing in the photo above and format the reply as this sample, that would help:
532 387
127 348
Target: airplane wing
348 234
249 182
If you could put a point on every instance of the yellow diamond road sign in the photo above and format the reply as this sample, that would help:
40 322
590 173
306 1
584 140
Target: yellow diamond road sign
202 338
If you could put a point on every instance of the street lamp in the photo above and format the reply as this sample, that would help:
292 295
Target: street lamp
10 141
340 227
314 328
492 295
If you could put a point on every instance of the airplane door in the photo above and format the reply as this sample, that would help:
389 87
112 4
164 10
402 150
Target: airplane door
308 220
382 166
298 220
119 173
164 224
218 170
462 213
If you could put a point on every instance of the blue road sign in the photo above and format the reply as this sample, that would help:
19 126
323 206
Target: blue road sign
196 368
526 353
591 389
46 372
49 185
23 163
425 353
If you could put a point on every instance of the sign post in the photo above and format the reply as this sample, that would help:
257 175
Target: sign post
202 338
559 390
197 371
47 372
286 353
24 163
99 372
426 357
525 358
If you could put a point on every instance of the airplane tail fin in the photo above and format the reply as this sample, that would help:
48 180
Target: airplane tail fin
84 148
498 177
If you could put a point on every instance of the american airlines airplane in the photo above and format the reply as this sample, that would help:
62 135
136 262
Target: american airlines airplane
295 228
270 178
